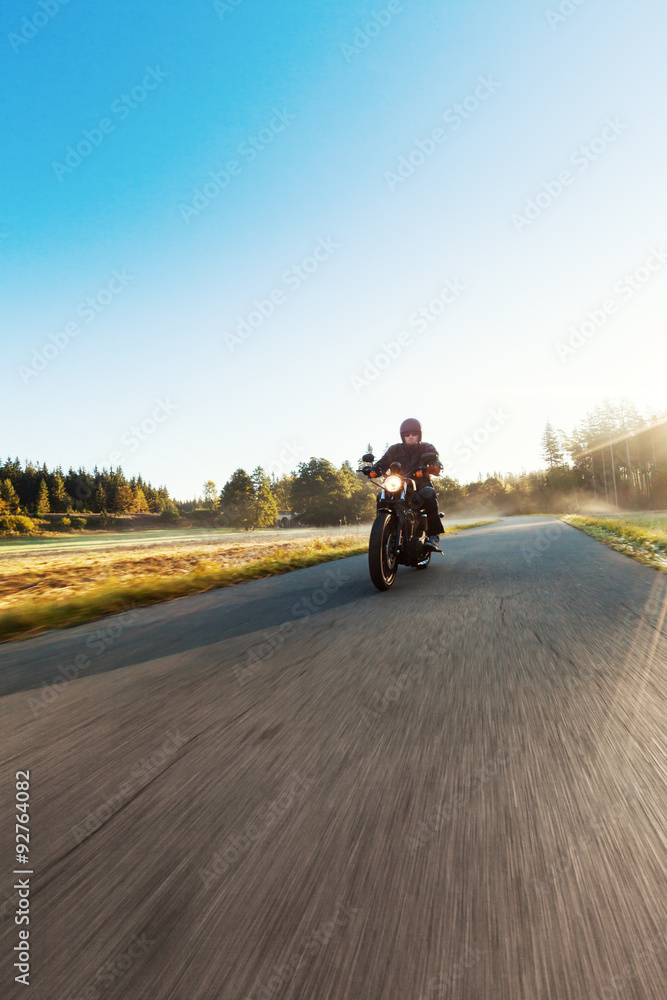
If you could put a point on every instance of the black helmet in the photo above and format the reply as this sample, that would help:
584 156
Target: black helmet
411 426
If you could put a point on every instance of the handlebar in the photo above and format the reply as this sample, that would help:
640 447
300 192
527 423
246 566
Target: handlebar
418 470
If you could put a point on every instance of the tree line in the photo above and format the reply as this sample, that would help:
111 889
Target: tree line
28 488
614 456
318 493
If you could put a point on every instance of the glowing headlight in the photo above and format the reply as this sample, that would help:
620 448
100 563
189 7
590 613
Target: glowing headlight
392 484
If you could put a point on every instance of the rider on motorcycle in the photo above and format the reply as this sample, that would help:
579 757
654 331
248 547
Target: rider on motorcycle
409 453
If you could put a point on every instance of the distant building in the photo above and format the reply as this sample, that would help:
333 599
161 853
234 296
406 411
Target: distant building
286 519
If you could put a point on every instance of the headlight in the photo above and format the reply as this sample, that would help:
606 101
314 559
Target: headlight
392 484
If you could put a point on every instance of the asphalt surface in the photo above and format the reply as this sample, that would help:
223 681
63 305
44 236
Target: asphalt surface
304 789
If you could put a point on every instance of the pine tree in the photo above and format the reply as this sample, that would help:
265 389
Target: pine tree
10 497
139 503
551 451
368 451
265 509
123 497
99 503
42 506
60 499
164 504
152 498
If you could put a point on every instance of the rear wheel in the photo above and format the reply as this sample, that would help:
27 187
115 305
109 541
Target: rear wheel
382 555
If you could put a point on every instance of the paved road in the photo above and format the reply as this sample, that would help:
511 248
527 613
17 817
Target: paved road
303 789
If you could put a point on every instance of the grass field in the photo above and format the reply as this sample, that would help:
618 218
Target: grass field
50 583
642 536
93 540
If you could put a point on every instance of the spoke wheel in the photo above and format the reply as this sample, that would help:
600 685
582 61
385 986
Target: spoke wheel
382 555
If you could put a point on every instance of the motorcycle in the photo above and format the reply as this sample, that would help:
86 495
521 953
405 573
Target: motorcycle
398 536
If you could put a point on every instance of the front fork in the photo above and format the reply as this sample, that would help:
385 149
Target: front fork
400 517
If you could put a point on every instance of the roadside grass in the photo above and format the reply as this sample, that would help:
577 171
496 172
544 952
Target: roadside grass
654 519
644 537
38 594
72 572
115 594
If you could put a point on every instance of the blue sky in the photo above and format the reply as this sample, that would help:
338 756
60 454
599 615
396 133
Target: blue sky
370 158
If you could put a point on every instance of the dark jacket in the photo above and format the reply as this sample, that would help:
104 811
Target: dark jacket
409 456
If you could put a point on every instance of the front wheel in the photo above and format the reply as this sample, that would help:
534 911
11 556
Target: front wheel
382 554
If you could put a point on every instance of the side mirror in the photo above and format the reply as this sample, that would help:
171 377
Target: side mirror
368 458
429 458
